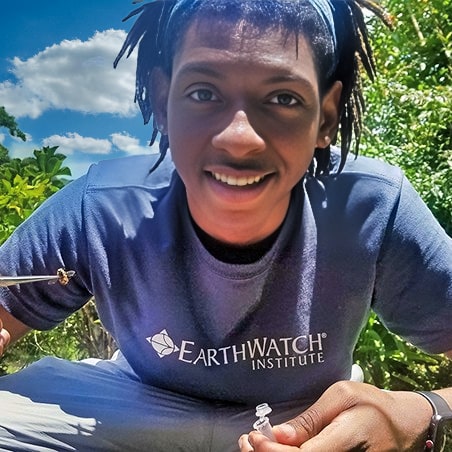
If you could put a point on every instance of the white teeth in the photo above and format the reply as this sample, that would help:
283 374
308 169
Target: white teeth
237 181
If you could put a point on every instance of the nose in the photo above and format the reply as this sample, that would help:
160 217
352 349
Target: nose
239 137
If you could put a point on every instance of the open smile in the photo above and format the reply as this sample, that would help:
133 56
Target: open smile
234 181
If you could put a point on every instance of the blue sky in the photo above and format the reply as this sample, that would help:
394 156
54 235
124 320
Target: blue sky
57 79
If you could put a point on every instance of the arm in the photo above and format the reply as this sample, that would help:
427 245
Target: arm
11 329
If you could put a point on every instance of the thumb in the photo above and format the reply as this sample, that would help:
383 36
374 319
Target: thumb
301 428
286 434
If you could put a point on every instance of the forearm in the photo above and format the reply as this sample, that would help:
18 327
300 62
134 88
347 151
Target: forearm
11 329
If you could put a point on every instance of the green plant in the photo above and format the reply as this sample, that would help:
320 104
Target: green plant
391 363
409 124
26 183
80 336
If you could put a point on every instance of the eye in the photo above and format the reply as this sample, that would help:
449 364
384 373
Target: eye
203 95
284 99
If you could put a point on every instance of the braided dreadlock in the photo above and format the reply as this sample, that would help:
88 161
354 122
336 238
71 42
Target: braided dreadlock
161 25
354 51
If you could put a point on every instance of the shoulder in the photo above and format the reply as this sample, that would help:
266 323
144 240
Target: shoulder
132 171
367 168
124 191
362 179
365 194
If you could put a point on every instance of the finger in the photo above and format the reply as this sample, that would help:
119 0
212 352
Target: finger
335 400
244 444
260 443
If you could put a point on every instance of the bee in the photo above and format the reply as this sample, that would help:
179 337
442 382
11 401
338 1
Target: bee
64 276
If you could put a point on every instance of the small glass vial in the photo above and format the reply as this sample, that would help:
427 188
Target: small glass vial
263 424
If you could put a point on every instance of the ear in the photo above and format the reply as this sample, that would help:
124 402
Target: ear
159 86
329 119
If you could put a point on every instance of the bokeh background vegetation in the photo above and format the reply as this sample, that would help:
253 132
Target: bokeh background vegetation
408 123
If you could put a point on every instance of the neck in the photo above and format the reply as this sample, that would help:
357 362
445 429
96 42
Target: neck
236 254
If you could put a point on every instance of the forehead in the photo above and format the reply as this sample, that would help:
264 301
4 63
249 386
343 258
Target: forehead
240 42
221 33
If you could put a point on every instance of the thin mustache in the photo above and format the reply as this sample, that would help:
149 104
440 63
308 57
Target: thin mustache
249 165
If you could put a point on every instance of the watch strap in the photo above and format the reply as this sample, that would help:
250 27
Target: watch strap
440 408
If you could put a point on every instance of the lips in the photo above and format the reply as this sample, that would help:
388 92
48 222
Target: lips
240 181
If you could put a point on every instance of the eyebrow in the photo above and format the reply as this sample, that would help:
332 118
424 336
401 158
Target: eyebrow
199 68
204 69
291 78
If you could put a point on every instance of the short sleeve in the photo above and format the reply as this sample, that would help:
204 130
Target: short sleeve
413 290
52 237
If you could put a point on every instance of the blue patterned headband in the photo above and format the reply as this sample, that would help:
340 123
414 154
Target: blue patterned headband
325 9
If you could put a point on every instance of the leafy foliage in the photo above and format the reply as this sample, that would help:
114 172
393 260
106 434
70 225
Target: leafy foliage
78 337
9 122
391 363
409 123
26 183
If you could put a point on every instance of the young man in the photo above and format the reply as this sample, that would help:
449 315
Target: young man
244 273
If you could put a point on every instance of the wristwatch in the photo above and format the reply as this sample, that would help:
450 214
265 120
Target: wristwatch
440 425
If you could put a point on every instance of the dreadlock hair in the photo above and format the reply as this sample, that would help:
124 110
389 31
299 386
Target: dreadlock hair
161 26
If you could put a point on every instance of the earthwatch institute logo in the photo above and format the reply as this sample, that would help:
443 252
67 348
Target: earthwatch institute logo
261 353
163 344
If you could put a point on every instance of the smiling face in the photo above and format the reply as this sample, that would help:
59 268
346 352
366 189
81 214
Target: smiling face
244 115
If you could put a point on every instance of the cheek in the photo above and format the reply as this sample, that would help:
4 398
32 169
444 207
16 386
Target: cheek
184 148
295 156
298 166
184 130
296 150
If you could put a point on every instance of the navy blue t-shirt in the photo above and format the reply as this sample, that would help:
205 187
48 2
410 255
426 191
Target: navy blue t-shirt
281 328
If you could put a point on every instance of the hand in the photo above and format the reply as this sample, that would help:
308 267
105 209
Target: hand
4 338
351 416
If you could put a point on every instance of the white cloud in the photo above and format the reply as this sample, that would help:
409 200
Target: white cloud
2 137
130 145
82 151
73 142
20 149
75 75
